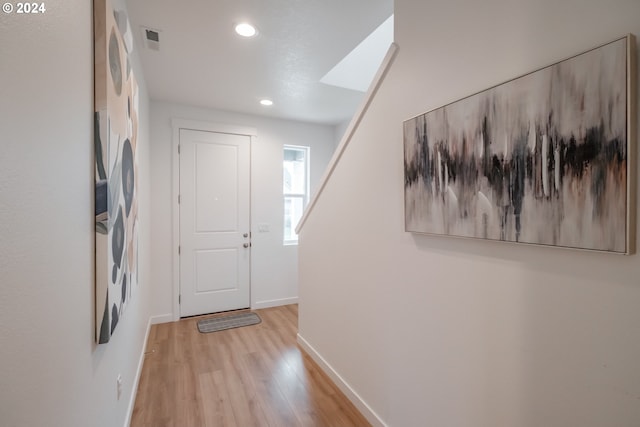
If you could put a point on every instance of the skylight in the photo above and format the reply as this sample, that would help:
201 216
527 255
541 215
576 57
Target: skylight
356 70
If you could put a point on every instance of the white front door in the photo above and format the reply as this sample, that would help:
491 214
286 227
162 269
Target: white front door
214 222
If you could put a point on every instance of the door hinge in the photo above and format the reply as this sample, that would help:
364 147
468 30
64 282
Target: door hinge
178 250
178 148
179 299
178 199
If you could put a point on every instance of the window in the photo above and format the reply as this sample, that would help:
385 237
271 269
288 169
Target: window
295 183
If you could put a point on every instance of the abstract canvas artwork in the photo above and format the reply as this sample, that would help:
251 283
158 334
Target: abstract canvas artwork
542 159
115 139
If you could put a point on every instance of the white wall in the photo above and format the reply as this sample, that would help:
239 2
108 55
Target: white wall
274 274
339 130
445 332
51 371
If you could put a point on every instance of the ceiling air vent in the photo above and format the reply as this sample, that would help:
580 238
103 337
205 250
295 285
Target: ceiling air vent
151 38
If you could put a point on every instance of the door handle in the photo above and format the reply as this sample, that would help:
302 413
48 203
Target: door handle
245 245
245 235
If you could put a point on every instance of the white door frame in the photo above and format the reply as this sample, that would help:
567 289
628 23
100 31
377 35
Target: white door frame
178 124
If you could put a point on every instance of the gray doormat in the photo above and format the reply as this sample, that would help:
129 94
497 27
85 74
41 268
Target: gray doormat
228 322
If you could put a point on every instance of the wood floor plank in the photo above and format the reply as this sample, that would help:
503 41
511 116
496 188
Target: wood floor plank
250 376
216 403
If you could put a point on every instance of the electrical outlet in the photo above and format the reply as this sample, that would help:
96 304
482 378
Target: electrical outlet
119 386
263 227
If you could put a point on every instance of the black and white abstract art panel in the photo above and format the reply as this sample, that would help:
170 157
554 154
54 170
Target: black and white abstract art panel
542 159
116 176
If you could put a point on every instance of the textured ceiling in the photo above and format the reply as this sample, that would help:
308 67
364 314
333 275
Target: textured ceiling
202 62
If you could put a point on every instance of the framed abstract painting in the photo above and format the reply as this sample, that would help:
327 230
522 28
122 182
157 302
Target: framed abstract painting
115 147
546 158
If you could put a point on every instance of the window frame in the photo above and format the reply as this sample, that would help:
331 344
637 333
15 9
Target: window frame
304 195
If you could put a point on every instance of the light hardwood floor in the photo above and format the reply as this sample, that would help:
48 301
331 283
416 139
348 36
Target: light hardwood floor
243 377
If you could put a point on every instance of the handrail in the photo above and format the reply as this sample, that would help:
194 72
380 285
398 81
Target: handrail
355 122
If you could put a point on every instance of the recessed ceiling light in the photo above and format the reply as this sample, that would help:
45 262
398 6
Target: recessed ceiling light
246 30
266 102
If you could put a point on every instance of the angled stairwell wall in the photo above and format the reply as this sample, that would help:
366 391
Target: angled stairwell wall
423 330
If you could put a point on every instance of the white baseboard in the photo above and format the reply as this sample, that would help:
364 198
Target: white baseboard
362 406
134 391
163 318
274 303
